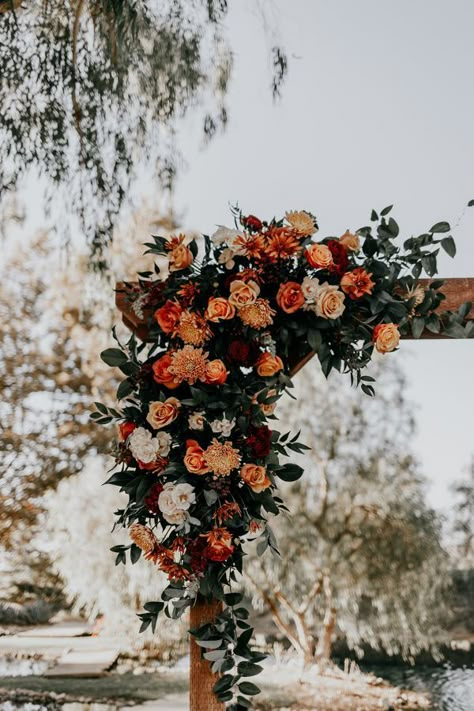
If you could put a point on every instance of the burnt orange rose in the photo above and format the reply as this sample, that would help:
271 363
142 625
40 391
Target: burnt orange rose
319 256
256 477
194 459
126 429
168 316
216 372
180 258
161 414
219 544
290 297
268 364
161 373
357 283
219 309
386 337
157 466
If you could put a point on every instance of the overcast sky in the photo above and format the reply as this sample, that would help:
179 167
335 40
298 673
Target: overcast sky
378 108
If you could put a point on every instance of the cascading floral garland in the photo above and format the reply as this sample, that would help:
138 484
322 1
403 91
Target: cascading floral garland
227 323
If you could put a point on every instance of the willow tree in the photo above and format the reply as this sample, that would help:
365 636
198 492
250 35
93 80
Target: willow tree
361 554
91 91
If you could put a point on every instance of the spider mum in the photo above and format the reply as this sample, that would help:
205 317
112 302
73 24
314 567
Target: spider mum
188 364
251 246
193 329
257 315
221 457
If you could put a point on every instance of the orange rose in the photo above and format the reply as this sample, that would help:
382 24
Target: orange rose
161 373
126 429
357 283
216 372
319 256
386 337
219 544
219 309
194 459
168 316
290 297
180 257
256 477
243 293
268 365
350 241
157 466
164 413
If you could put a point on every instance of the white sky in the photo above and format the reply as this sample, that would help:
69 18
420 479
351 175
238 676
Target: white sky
378 108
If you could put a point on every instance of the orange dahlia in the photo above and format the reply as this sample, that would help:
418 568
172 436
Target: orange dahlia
193 329
282 243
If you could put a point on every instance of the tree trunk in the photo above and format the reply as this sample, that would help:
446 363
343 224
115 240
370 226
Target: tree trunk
324 646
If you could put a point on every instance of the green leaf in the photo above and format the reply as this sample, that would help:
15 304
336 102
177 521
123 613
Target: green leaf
224 683
441 227
249 669
242 701
417 326
114 357
290 472
135 553
209 643
449 246
314 339
373 216
386 210
232 599
125 388
249 689
470 203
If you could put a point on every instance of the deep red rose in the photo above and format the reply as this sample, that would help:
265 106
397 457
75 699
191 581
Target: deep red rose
151 500
252 223
259 441
243 352
197 551
339 255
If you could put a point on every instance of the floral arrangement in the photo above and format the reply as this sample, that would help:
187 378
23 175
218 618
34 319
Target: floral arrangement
229 318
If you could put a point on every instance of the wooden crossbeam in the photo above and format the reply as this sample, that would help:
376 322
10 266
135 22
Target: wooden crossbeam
457 292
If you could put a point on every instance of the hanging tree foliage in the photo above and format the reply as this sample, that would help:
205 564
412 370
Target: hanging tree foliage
90 92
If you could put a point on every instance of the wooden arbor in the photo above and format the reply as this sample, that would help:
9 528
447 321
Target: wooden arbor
201 697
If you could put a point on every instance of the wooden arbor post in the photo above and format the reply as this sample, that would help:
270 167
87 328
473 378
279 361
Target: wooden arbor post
201 697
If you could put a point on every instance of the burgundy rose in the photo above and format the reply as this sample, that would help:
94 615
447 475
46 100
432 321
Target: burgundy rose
339 255
243 352
252 223
151 500
259 441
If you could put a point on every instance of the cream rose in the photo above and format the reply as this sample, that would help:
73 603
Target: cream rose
196 421
386 337
161 414
329 302
310 287
243 293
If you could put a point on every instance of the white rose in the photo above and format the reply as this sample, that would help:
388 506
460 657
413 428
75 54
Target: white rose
177 518
183 496
164 443
329 301
196 421
165 500
310 287
224 235
143 445
216 426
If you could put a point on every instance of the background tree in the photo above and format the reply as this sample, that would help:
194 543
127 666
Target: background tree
91 91
463 518
361 551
